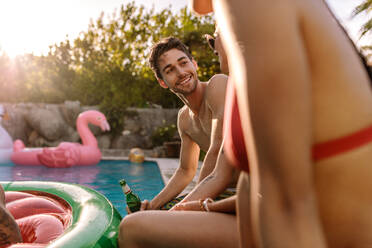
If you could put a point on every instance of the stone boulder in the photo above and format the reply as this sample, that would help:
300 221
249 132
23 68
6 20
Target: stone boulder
48 122
132 124
71 135
104 141
16 126
146 121
47 125
70 110
150 119
128 141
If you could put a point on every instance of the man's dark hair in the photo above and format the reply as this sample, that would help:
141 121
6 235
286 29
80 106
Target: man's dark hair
163 46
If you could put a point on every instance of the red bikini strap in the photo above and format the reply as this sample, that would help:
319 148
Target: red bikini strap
341 145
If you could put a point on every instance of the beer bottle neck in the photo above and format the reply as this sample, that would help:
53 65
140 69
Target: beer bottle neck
126 189
127 192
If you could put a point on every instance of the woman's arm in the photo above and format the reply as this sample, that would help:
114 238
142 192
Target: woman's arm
224 206
227 205
269 63
243 210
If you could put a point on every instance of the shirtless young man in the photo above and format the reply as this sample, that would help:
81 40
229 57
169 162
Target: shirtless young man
199 121
224 175
214 228
9 230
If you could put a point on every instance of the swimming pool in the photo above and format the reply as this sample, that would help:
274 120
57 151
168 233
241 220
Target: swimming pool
144 179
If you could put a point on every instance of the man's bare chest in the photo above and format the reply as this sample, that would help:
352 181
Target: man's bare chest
200 129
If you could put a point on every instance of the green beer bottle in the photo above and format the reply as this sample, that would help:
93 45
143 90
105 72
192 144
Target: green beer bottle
133 201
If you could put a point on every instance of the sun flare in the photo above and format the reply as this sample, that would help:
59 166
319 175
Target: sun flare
33 26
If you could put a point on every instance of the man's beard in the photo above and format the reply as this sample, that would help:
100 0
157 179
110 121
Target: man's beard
188 91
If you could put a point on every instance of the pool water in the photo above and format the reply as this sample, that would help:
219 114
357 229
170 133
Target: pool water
144 179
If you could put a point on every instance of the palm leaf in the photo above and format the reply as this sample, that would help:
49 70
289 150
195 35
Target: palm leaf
364 7
366 27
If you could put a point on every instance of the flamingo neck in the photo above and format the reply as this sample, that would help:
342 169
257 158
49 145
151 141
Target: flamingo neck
86 135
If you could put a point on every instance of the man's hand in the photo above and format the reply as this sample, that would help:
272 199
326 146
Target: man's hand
145 205
187 206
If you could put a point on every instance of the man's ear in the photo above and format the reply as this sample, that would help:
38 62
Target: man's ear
162 83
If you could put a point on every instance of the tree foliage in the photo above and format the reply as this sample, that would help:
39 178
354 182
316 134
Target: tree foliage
364 7
107 64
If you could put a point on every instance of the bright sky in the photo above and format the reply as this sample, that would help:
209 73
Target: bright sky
31 26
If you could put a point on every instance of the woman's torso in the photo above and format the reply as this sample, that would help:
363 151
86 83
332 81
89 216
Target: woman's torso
341 105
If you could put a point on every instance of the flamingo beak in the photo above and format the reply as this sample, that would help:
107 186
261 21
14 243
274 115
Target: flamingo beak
105 126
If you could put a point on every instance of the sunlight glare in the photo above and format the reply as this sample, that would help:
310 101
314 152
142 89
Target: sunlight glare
32 26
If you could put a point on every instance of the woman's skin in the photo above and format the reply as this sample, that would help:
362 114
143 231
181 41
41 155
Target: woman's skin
296 98
299 82
179 229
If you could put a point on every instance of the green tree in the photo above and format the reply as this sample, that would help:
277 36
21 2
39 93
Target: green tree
107 64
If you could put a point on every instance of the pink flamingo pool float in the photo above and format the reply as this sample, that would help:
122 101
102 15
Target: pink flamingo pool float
66 154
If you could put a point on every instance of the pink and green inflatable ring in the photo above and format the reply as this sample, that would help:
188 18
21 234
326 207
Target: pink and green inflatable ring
95 222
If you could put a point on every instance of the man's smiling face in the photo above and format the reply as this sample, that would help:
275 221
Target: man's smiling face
178 72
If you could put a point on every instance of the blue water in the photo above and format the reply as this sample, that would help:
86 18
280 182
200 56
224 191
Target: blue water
144 179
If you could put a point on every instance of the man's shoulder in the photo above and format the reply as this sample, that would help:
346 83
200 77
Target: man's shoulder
217 83
216 87
183 118
218 78
183 111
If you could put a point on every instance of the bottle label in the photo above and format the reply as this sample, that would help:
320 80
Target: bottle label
126 189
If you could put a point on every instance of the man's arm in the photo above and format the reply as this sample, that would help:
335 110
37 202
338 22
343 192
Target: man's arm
215 183
215 99
189 157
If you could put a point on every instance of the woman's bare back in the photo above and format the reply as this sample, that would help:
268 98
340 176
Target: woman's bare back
341 105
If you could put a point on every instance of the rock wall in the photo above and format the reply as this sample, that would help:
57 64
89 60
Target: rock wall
40 125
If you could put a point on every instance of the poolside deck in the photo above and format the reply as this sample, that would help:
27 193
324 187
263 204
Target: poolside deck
167 168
